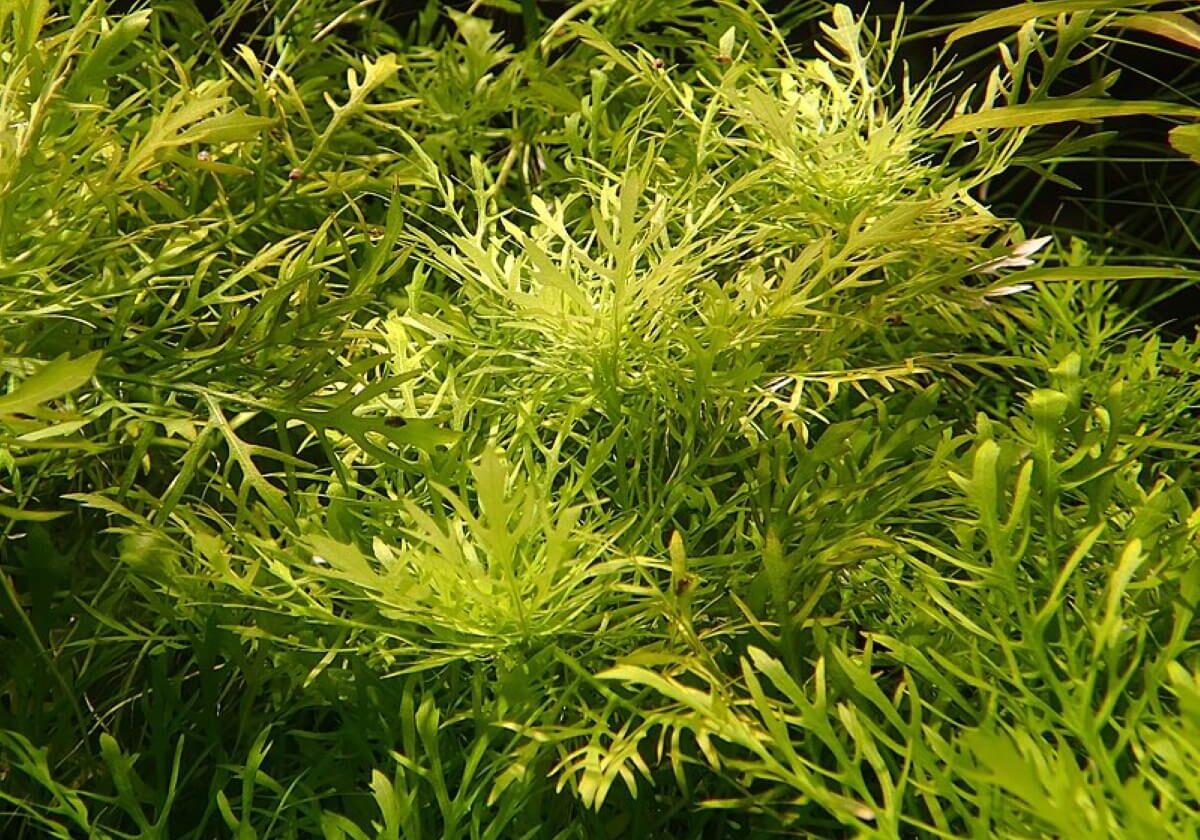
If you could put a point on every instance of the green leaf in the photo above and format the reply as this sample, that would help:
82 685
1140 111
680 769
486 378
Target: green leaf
1066 109
1009 769
864 683
243 454
337 827
632 674
1170 25
22 515
56 379
389 805
234 127
1014 16
125 780
778 574
345 561
1095 273
29 26
727 42
1109 630
491 477
833 439
1186 139
21 756
1048 407
97 64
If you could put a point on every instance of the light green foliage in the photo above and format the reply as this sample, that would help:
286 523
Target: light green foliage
636 431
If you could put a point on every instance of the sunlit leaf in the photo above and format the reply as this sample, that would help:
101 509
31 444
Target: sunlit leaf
97 64
1174 26
1029 114
1186 139
1017 14
55 379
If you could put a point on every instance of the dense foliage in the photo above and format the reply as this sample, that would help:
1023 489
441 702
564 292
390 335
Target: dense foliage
642 426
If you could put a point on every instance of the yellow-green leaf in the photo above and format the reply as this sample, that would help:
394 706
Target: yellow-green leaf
1170 25
1186 139
28 26
1014 16
57 378
1090 273
55 430
234 127
22 515
1062 110
1132 558
243 453
97 64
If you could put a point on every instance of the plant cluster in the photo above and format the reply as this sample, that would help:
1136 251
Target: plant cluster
645 430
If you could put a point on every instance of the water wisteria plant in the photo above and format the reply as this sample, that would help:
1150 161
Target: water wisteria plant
638 422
